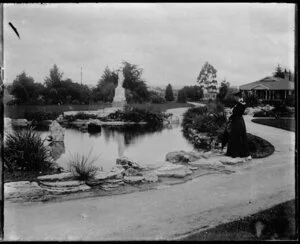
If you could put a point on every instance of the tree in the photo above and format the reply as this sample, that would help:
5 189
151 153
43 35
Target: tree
193 93
207 77
54 78
278 72
223 90
24 88
105 90
169 93
181 98
138 91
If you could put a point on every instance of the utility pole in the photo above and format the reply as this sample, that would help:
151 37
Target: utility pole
81 76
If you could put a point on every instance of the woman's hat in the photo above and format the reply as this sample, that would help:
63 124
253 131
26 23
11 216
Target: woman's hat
237 93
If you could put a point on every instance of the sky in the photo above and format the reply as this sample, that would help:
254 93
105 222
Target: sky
169 41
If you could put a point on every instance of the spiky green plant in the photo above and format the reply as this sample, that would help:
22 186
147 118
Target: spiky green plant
82 166
25 150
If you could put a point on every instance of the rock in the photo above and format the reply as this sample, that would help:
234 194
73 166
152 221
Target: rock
232 161
60 118
22 189
177 157
79 123
133 179
150 177
213 162
103 176
207 154
66 189
182 156
20 122
56 177
57 148
57 132
94 127
132 172
128 163
60 184
178 171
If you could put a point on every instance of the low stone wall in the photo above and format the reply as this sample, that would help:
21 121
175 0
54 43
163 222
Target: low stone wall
180 165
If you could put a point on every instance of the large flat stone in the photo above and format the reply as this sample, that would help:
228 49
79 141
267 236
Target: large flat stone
133 179
150 177
71 183
177 171
56 177
232 161
67 189
128 163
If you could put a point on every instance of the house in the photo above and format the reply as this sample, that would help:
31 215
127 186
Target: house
270 88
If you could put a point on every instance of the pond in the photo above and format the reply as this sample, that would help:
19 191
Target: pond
146 146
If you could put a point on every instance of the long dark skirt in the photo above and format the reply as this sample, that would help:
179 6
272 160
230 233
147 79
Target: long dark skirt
237 140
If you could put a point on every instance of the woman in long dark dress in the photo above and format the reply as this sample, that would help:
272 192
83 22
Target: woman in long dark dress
237 139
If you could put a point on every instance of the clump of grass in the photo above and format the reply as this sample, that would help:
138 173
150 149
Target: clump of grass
24 150
82 166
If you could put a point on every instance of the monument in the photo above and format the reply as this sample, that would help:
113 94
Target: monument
119 98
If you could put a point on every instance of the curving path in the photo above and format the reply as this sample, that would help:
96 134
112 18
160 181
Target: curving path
168 213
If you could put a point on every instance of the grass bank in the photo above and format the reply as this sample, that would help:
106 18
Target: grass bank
278 220
285 124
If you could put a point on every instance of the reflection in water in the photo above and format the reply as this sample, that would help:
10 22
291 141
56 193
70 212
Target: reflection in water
142 144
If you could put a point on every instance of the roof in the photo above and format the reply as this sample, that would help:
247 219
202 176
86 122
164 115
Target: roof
269 83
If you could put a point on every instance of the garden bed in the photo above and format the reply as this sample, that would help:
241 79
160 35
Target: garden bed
285 124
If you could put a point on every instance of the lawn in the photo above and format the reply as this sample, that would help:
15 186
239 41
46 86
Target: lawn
286 124
18 111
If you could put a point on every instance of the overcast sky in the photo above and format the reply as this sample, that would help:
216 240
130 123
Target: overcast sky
170 41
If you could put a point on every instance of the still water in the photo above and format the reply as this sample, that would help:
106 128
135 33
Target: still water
144 145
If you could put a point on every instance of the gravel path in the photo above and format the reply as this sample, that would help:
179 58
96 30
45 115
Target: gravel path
168 213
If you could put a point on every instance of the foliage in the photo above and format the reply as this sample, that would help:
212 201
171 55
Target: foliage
278 72
290 101
169 93
82 166
207 77
210 119
193 93
251 100
138 91
181 98
137 115
156 98
223 90
105 90
280 110
25 89
25 150
229 100
81 116
40 116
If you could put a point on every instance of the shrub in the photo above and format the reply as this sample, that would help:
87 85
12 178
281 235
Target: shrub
81 115
210 119
157 99
40 116
251 100
137 115
82 166
25 150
